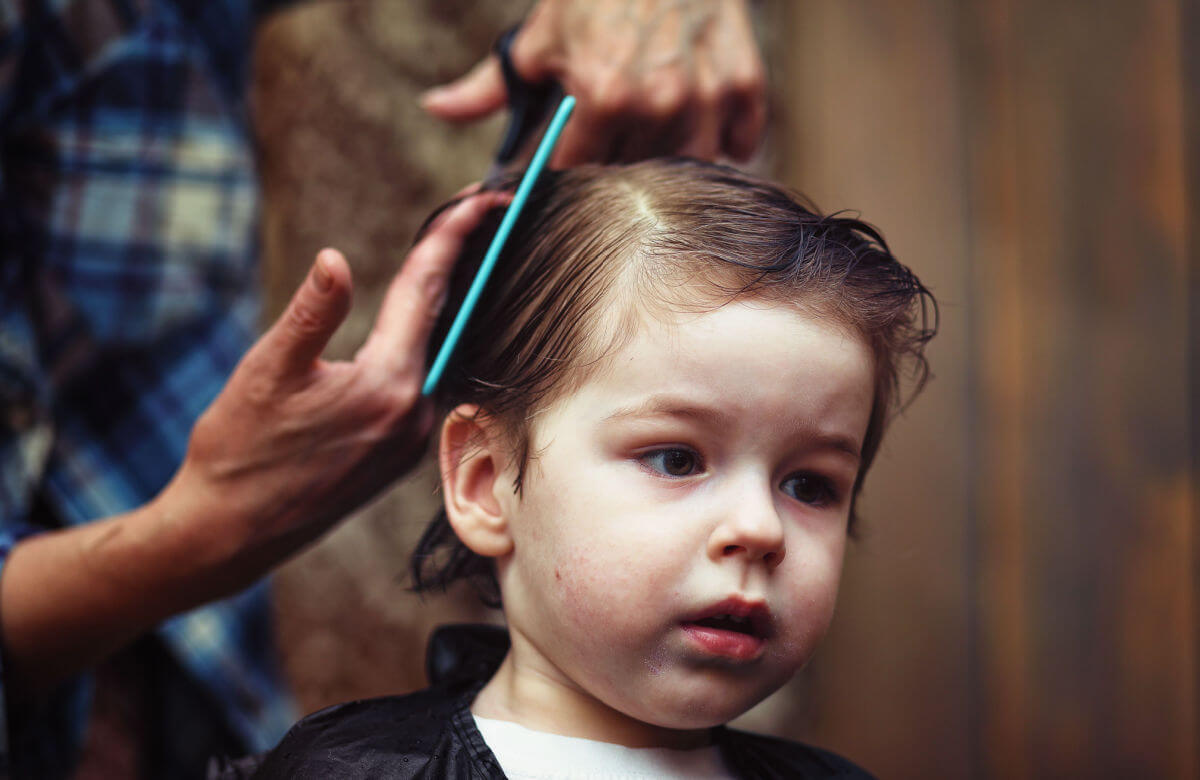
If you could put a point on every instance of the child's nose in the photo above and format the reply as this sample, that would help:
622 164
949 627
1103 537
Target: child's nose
751 528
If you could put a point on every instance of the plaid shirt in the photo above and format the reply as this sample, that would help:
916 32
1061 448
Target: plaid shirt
128 206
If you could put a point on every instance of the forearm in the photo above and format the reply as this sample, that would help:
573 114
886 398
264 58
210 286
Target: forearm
70 598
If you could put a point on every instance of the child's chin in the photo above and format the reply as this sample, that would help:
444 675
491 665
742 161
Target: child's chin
703 712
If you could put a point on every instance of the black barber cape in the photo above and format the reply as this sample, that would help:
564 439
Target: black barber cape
431 734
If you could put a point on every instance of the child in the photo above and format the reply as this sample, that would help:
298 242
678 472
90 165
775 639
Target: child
658 421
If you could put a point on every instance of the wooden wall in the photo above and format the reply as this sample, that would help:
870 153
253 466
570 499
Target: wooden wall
348 159
1024 600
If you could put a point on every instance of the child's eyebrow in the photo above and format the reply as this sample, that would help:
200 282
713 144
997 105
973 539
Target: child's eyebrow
668 406
836 442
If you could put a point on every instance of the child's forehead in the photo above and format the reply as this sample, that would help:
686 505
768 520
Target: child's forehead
663 311
661 294
673 350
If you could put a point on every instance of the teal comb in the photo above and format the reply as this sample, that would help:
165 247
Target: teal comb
540 157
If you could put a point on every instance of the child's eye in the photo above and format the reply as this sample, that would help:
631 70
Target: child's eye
809 488
674 462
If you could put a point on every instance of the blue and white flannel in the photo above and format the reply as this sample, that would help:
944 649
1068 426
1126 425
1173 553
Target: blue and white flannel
128 207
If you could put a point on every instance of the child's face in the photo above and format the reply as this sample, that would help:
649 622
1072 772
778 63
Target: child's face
707 470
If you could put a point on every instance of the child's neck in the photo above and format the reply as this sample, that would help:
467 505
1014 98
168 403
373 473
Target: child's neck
543 699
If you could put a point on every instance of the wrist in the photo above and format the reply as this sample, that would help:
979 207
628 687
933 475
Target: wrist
198 541
156 557
70 597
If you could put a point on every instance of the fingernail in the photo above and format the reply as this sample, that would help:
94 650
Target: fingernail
431 96
322 278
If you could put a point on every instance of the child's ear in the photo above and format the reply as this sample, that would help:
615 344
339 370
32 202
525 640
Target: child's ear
472 458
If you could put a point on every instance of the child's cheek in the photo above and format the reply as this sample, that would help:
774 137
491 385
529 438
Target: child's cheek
604 594
812 601
593 589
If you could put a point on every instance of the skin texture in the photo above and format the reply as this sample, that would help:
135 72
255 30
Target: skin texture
652 78
290 446
714 456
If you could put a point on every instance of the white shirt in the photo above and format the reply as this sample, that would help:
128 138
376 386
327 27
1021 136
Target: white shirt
525 754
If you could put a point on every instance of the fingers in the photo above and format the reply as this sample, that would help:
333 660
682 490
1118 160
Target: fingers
590 136
470 189
696 128
703 137
712 123
657 78
398 342
644 87
473 96
744 130
298 337
745 111
537 50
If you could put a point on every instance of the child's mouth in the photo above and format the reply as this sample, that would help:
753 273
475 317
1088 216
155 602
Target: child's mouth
734 623
735 628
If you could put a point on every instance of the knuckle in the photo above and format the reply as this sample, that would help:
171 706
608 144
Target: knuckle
205 441
749 82
303 318
421 315
710 97
611 95
256 388
405 392
392 397
372 412
433 291
671 95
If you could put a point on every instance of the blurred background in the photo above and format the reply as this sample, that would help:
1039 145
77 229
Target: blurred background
1024 599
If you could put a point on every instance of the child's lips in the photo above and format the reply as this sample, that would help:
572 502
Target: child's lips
726 644
736 628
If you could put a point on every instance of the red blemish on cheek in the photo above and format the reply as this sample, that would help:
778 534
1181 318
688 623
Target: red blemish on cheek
557 575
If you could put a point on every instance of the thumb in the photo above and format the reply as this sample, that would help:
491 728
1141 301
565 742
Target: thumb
473 96
299 336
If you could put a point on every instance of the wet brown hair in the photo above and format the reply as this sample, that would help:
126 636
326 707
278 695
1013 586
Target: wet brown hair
597 246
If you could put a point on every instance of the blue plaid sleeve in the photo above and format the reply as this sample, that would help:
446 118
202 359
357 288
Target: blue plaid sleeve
22 448
128 278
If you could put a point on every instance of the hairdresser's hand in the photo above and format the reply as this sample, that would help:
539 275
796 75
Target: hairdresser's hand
295 442
652 77
290 446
